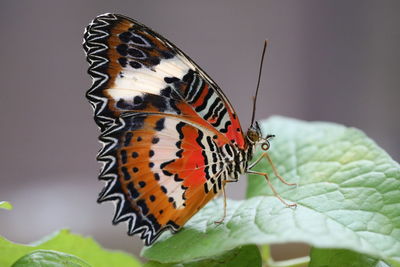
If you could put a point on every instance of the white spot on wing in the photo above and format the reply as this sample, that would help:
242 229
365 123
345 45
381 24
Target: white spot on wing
135 82
168 138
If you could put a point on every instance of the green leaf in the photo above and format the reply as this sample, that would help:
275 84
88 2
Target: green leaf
247 222
49 258
239 257
5 205
347 197
348 188
342 257
63 241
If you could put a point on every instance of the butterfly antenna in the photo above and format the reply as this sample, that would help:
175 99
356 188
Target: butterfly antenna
258 82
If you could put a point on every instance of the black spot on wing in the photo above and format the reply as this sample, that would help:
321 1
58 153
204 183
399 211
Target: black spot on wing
122 49
171 79
123 61
199 139
225 129
135 64
132 190
178 144
136 53
137 100
219 182
177 178
179 127
214 168
125 173
125 37
206 188
128 138
154 61
211 143
167 54
160 124
122 104
188 77
157 101
137 40
179 153
135 122
124 157
166 92
167 173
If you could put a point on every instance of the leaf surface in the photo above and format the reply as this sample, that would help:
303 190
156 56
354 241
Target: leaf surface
63 241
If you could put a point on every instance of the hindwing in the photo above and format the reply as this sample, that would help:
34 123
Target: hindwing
157 167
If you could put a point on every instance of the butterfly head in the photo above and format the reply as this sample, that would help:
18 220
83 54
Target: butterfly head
254 136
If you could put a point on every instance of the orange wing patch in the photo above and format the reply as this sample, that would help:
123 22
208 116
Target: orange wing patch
162 166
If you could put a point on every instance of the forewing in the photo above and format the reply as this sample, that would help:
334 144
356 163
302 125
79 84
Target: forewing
136 69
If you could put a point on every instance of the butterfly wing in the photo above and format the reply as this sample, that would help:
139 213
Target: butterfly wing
163 124
159 169
136 69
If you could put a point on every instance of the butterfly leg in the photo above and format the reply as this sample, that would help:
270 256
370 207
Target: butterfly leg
293 205
265 155
224 195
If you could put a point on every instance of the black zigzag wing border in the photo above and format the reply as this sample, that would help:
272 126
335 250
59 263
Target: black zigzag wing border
95 38
146 226
94 44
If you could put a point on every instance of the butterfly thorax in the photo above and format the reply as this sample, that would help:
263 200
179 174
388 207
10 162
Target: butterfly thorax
236 160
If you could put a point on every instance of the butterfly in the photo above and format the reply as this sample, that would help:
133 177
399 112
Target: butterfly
171 138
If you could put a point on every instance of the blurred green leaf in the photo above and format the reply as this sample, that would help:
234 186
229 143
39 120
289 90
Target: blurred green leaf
347 197
63 241
239 257
342 258
49 258
5 205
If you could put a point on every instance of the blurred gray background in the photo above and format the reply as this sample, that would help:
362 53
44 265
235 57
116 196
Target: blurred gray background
334 61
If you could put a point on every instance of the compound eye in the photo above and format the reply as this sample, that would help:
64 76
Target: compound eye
265 146
252 136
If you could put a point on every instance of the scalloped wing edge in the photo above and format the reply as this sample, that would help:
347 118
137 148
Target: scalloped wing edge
95 54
